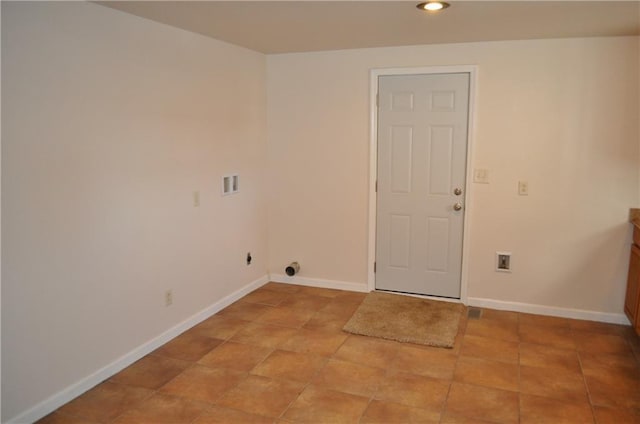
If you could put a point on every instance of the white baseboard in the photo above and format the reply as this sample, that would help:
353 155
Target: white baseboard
315 282
549 310
57 400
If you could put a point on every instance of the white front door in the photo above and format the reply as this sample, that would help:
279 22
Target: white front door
422 154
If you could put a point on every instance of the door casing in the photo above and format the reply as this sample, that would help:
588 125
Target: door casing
373 162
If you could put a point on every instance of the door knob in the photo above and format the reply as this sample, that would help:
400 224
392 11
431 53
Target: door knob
457 207
457 191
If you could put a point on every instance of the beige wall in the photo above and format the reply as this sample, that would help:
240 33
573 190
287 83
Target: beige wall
110 122
560 114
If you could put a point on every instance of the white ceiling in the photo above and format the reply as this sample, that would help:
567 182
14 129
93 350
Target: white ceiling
301 26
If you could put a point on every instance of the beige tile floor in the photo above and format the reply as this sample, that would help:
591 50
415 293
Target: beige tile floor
279 356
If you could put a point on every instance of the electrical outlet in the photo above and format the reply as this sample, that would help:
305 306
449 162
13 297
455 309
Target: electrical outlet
249 258
523 188
481 176
168 297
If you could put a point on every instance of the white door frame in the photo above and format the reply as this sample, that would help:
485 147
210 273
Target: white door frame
472 70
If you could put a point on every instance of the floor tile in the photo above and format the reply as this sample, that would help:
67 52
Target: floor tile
482 372
349 296
218 327
150 372
613 362
600 343
324 321
61 418
161 409
536 410
290 366
262 396
379 412
202 383
350 378
282 287
244 310
286 317
493 329
606 415
599 327
280 355
537 355
319 291
188 347
367 351
500 406
552 383
454 418
106 401
413 390
543 321
220 415
557 337
613 387
317 342
492 314
306 302
317 405
264 335
432 362
492 349
265 296
340 307
235 356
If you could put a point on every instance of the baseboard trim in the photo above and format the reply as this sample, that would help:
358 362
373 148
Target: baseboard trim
549 310
316 282
57 400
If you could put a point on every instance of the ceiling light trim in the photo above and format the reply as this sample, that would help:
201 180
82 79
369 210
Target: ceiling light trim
433 6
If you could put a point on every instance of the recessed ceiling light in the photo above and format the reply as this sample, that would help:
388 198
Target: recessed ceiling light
433 6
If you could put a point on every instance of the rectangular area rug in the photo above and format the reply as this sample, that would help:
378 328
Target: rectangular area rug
406 319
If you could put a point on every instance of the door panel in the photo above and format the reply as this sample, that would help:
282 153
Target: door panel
401 159
422 150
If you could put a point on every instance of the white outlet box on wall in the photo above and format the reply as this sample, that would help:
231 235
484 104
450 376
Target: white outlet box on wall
503 261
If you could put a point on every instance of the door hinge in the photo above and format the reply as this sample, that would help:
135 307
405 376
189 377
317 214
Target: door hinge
374 267
376 186
377 100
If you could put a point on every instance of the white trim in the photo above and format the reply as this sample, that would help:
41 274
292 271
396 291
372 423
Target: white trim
554 311
472 70
422 296
315 282
54 402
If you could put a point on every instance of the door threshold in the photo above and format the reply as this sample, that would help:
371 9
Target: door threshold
422 296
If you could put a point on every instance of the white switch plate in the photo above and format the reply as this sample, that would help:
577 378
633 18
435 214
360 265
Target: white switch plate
481 176
523 188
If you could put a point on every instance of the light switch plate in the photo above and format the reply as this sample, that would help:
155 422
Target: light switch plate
196 199
481 176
